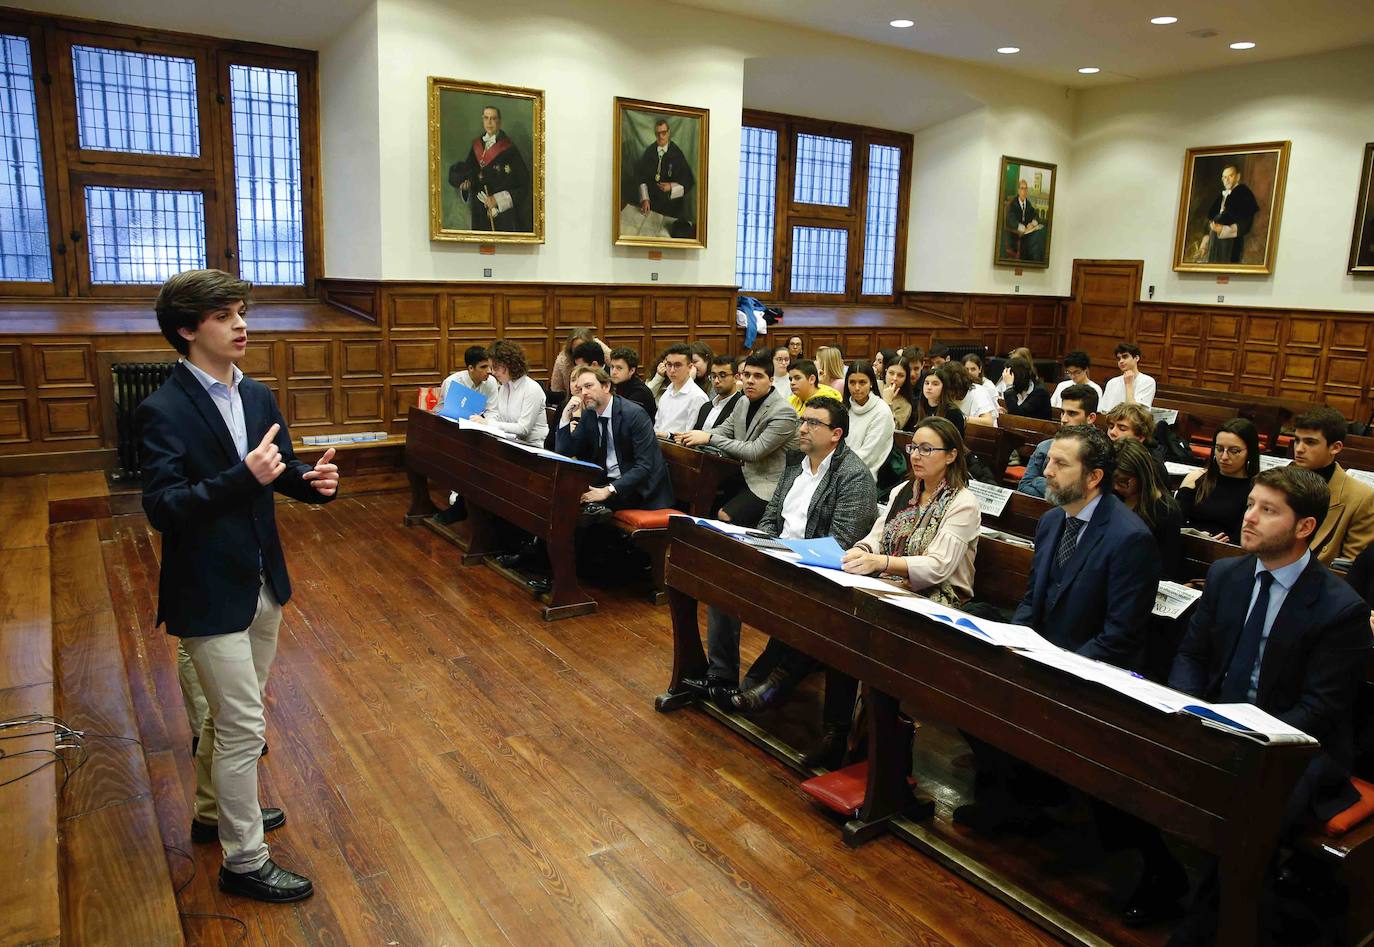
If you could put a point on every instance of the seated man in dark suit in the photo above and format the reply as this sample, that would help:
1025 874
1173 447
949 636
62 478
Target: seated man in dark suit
615 434
725 384
829 493
623 367
215 451
1092 587
1276 629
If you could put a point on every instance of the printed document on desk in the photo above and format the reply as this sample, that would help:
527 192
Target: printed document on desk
824 551
992 499
1248 721
467 424
1019 637
1172 599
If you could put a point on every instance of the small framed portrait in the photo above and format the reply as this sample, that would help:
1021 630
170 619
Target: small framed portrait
486 162
1362 240
660 174
1229 208
1025 212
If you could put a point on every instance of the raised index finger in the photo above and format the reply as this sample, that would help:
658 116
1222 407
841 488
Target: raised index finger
270 436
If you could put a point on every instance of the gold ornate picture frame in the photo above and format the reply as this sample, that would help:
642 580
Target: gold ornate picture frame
1229 208
486 162
659 184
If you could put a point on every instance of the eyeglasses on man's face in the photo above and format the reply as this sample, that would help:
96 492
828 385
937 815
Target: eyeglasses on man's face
814 423
1228 451
923 450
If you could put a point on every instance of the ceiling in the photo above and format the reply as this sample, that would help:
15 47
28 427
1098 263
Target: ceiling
1058 36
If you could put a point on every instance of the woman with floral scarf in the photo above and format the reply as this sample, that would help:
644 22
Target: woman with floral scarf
928 535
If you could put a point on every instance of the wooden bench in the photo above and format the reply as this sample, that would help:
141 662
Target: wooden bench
1219 792
697 477
1001 572
501 482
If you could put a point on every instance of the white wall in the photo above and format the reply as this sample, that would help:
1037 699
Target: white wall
350 155
1130 140
584 53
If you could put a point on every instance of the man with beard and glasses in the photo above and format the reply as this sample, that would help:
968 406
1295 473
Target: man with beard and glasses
1092 587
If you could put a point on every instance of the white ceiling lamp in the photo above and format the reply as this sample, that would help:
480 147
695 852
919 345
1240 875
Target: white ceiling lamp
902 24
1008 50
1163 20
1089 70
1246 45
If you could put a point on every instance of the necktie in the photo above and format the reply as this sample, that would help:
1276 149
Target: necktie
1235 688
1068 541
605 439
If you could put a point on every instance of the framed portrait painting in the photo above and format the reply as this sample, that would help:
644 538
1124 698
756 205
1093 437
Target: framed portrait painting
660 174
486 162
1025 212
1362 240
1229 208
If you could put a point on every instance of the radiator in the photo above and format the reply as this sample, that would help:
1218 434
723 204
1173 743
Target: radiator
133 381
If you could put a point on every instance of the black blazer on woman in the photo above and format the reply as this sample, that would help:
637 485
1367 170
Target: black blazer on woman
1036 405
218 524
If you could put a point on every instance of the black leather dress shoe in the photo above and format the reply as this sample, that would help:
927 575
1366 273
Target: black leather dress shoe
829 753
456 513
1156 899
209 831
271 883
540 585
770 693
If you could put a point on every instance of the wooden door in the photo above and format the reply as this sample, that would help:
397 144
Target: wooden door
1102 310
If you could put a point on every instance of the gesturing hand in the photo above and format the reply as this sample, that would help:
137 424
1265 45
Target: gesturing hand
265 459
325 477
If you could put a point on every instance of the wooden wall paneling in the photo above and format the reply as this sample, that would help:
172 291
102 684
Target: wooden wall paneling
625 311
309 407
412 311
889 340
362 404
12 368
575 311
722 343
540 351
309 360
1102 311
524 311
69 418
672 311
716 312
418 359
470 312
361 301
362 358
855 344
14 421
64 365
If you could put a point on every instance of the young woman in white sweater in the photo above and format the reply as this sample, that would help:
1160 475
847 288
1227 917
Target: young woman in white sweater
518 408
870 419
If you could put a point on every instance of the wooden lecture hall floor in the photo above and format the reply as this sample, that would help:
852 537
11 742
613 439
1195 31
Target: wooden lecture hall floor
456 771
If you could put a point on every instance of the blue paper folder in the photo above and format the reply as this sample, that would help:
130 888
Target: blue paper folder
823 552
462 402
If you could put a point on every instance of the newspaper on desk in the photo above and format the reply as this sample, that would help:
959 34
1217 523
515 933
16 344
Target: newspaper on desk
1175 469
1167 415
1269 461
992 499
1000 536
1364 476
1173 599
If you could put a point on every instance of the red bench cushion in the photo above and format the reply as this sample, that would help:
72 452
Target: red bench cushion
1343 822
644 519
842 790
1015 473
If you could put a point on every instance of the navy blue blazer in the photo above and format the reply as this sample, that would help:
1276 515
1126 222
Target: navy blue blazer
217 522
1314 660
644 483
1101 607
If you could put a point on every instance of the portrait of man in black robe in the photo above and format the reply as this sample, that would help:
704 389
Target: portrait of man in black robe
1229 219
663 181
494 179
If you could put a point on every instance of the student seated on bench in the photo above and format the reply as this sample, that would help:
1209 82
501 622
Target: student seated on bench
477 375
1348 527
1078 405
829 493
725 384
615 434
679 396
802 378
1132 386
760 431
1134 420
1092 587
1213 499
1076 365
518 408
1276 629
623 368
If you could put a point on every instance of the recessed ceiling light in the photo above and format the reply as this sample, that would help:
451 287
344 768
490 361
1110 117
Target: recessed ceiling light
1242 45
1089 70
1163 20
902 24
1008 50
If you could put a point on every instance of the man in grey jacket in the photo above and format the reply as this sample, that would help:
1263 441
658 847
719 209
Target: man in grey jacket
830 493
759 432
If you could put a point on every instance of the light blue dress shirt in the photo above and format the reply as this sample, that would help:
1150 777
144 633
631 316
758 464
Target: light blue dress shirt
229 403
1284 580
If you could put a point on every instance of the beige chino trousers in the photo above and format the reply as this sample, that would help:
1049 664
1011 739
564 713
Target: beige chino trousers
232 670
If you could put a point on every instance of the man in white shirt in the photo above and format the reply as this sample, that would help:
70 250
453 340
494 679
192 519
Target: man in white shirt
1132 386
980 404
1076 365
476 376
677 406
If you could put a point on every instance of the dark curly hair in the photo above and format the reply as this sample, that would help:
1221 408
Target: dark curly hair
510 354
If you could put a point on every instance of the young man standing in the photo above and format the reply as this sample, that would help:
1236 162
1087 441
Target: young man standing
477 375
215 450
1132 386
623 367
1076 365
1348 528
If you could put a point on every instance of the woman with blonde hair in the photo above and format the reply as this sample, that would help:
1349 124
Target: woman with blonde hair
830 367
